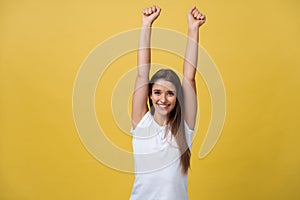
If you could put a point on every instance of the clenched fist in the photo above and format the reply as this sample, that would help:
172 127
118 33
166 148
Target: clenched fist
150 14
195 18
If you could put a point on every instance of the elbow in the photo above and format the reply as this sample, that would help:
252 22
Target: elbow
189 79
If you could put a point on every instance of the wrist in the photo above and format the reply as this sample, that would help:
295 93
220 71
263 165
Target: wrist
146 24
193 29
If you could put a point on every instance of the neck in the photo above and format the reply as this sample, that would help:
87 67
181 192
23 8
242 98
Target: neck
160 119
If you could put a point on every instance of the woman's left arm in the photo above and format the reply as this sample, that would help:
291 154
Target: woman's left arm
195 20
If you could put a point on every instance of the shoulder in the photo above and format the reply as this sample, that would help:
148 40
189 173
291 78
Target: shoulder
189 133
144 122
187 129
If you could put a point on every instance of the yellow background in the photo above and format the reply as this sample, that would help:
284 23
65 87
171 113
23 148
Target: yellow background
255 45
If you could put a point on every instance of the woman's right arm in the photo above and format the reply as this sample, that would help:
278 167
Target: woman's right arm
140 95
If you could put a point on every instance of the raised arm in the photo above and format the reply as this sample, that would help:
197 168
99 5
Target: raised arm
195 20
140 95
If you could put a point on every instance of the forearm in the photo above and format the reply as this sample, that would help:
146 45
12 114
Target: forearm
144 50
191 55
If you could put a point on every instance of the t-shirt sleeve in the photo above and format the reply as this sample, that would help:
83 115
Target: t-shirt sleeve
142 123
188 134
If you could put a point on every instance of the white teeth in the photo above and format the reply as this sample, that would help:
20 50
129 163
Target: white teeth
162 105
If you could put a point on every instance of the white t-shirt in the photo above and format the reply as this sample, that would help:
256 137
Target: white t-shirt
158 173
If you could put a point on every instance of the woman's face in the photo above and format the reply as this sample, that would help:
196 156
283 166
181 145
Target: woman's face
163 96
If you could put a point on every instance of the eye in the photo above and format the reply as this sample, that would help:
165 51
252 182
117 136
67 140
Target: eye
156 92
171 93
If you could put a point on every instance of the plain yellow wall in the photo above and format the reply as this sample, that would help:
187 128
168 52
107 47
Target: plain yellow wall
255 45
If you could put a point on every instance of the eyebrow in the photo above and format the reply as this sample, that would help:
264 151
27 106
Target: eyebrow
158 90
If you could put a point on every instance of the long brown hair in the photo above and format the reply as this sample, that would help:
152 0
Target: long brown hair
176 116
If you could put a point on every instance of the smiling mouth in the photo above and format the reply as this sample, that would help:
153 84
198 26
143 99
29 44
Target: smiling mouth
163 106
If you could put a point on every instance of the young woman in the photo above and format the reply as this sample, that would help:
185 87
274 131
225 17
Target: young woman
162 136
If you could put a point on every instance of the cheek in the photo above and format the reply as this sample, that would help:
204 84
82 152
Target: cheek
172 100
153 98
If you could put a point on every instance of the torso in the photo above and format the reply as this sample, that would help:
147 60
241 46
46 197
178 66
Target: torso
157 162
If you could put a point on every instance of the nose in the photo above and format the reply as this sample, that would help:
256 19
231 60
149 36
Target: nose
163 98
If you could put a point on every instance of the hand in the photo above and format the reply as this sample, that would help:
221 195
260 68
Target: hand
195 18
150 14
